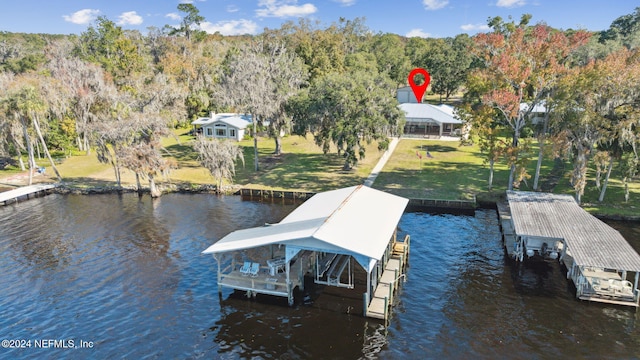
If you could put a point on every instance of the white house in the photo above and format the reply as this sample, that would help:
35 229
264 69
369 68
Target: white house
538 112
223 126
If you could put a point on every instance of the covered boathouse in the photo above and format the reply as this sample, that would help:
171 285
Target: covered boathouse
326 237
601 263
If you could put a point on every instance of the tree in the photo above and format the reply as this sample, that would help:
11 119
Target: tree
26 103
87 88
145 160
448 63
389 52
629 168
108 45
625 29
322 50
487 132
158 103
349 112
109 133
522 65
219 157
128 133
416 48
273 75
286 74
598 102
11 135
189 23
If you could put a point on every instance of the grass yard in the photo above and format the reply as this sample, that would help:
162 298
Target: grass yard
458 173
302 166
454 172
613 203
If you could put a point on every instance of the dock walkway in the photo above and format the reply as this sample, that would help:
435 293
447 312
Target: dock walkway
12 196
388 283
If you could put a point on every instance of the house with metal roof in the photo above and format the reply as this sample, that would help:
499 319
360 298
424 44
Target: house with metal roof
325 238
426 120
223 125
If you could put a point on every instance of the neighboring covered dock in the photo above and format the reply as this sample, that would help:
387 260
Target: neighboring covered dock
326 238
600 262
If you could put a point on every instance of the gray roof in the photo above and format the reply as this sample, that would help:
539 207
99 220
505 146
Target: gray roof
427 112
590 241
235 120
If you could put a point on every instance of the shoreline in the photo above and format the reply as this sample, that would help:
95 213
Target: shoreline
270 194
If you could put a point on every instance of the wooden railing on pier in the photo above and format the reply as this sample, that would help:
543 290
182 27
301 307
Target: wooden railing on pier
395 269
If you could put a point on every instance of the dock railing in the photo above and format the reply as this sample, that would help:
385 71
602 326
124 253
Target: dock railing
382 307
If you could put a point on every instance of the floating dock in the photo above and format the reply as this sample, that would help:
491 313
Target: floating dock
600 262
12 196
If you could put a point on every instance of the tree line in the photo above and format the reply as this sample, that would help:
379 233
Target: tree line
587 85
117 92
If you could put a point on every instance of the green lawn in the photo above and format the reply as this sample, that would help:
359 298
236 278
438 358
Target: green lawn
454 172
302 166
613 203
458 173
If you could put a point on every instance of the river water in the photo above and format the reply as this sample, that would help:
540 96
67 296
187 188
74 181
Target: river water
123 277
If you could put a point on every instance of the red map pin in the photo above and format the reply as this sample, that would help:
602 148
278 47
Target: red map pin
419 90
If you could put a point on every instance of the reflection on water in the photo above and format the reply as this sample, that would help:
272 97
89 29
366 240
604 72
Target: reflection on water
127 274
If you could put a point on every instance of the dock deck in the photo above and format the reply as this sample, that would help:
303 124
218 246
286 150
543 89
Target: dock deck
388 283
12 196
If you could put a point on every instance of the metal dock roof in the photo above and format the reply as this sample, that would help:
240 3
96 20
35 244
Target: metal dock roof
590 241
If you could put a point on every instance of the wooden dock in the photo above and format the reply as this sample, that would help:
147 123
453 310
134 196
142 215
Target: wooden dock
388 283
25 192
603 266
